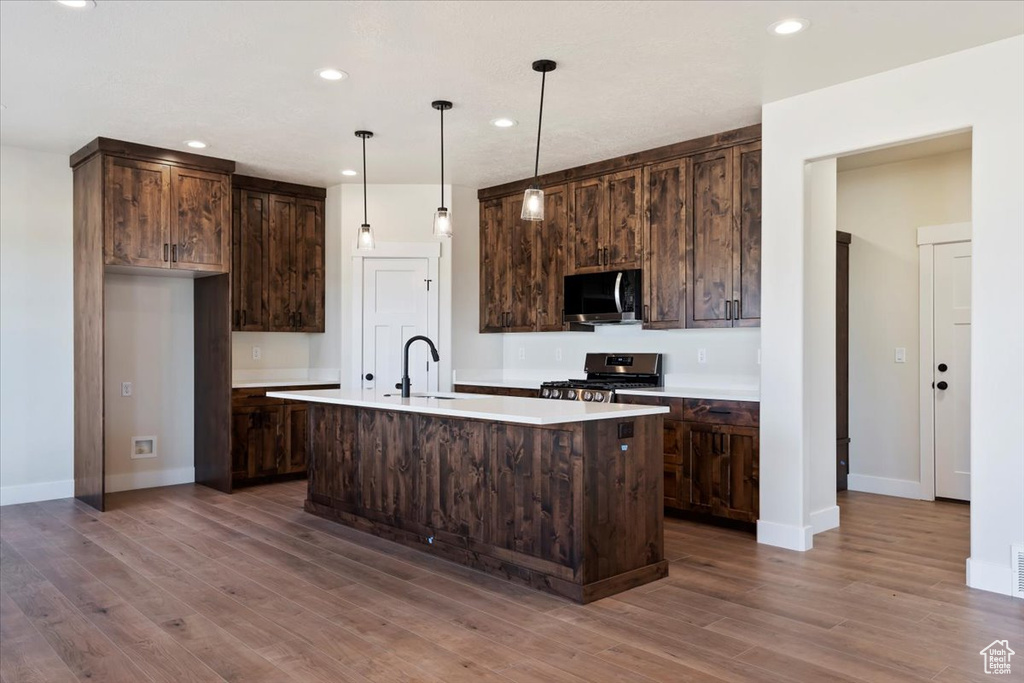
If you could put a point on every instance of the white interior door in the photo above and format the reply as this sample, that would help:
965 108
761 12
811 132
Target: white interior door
395 308
952 370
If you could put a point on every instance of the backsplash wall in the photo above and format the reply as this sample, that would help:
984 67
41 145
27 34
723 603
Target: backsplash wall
732 354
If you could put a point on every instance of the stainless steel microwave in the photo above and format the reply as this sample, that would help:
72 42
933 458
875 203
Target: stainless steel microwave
603 298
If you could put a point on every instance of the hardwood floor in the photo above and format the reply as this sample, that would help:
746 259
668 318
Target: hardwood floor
188 584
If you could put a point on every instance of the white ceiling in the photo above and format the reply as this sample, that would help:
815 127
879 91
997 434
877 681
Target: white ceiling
631 75
944 144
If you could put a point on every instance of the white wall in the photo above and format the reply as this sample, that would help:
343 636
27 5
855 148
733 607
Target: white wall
731 354
278 350
882 207
148 341
980 89
36 335
398 213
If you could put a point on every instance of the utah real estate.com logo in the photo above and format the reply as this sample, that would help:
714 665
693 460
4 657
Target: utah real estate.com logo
997 657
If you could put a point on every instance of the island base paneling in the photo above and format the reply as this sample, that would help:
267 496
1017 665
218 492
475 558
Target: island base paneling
572 509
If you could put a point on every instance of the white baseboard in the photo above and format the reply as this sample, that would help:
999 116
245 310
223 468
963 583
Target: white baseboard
789 536
32 493
149 479
883 486
825 519
988 576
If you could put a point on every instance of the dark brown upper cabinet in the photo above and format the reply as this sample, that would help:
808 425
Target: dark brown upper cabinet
724 239
159 212
278 256
688 215
605 219
522 264
667 189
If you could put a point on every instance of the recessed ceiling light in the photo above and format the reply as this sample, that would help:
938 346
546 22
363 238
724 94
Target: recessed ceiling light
331 74
196 144
504 123
77 4
788 27
349 171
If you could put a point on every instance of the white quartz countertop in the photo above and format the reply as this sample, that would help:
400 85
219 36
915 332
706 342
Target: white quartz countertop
261 383
708 393
535 411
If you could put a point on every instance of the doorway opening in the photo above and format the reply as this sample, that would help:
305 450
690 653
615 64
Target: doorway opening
906 210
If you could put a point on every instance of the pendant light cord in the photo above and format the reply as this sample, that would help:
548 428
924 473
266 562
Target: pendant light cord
364 179
540 119
442 156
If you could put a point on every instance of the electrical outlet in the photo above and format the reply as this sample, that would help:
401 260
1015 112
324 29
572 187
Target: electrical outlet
901 354
702 355
522 353
126 389
558 354
257 353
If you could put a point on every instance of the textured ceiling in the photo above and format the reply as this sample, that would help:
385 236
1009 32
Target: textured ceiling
631 75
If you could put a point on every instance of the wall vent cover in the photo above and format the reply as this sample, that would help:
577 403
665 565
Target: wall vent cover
1018 571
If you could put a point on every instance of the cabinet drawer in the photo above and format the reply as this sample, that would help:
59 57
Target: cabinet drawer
738 413
675 405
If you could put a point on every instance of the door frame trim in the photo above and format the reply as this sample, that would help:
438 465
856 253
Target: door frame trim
431 251
927 237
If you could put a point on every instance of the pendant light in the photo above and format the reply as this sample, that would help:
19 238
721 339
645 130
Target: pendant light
365 240
443 217
533 199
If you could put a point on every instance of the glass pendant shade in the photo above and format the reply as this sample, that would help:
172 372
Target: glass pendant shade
366 240
533 205
442 222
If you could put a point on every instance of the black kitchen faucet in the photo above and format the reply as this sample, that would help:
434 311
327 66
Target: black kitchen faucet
406 382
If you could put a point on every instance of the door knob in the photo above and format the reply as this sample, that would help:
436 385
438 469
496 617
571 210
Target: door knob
369 376
943 367
942 386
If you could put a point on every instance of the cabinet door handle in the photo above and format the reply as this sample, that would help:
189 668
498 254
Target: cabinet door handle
647 313
600 256
606 256
719 411
728 310
736 309
243 318
167 248
300 318
174 253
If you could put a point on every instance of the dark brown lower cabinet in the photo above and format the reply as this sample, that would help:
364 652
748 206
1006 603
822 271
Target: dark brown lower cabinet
269 437
711 456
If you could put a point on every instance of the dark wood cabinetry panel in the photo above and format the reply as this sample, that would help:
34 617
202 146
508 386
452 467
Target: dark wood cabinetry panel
623 239
250 236
281 297
522 302
702 456
747 249
735 477
278 259
588 222
710 240
564 509
201 221
138 213
493 266
309 271
550 260
269 436
667 189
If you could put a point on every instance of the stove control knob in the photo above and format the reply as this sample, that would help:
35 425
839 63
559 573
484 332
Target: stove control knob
555 393
598 397
544 393
570 393
588 396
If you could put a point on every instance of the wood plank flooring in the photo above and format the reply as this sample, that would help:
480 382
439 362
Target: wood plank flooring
186 584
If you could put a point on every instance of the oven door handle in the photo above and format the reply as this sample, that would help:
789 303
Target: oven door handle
618 292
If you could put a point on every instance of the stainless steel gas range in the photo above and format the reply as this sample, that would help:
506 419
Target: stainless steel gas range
607 372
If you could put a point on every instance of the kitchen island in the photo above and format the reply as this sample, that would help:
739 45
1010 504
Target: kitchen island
563 496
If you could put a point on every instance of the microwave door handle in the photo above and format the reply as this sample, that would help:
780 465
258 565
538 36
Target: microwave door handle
618 292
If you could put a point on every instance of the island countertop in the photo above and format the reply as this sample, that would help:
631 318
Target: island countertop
531 411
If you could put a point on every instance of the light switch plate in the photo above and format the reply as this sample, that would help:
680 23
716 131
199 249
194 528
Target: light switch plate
257 353
522 353
901 354
126 389
702 355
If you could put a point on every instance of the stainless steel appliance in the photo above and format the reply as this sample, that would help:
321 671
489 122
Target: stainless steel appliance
607 372
603 298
